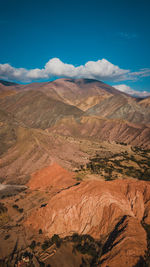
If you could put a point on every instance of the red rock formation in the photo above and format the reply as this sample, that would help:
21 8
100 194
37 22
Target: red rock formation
110 210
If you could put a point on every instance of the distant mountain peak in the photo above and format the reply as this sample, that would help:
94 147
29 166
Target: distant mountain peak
82 80
6 83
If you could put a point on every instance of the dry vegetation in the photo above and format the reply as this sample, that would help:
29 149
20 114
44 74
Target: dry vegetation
135 164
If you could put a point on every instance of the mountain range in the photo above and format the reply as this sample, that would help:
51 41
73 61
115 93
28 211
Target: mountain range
80 148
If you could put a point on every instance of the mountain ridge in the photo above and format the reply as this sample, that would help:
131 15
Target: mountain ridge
74 174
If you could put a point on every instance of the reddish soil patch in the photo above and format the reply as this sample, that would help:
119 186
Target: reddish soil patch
51 176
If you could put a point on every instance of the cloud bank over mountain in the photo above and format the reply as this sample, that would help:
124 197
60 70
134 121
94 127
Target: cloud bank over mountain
100 70
127 89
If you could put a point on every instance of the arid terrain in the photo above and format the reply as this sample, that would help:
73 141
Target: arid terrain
74 175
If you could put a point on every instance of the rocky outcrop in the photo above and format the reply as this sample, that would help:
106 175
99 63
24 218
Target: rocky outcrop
111 211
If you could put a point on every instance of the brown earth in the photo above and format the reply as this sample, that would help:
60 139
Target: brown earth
4 93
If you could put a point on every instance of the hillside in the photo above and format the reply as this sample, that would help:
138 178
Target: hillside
7 131
82 93
55 121
36 110
116 118
101 129
145 102
74 175
122 107
7 88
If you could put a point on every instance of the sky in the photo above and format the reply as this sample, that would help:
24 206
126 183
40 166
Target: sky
107 40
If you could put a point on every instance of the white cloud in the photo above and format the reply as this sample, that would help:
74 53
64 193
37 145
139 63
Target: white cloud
100 70
127 89
141 73
13 74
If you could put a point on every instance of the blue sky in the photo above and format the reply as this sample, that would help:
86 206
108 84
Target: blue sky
76 32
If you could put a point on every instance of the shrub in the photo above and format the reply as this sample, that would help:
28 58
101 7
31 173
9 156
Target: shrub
15 206
56 239
20 210
47 243
6 237
42 264
33 244
87 237
2 208
87 249
76 237
40 231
